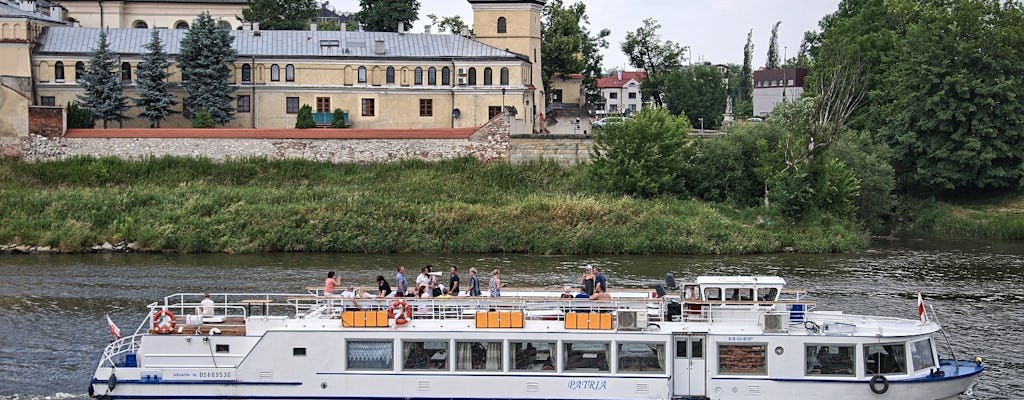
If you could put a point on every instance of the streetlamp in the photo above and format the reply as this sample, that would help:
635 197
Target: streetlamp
701 124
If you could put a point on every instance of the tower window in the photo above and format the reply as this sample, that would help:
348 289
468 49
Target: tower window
502 25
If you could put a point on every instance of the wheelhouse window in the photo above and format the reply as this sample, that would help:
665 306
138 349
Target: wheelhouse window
642 358
367 107
126 72
426 107
79 71
709 293
289 73
504 75
425 355
446 76
246 73
488 76
885 358
738 294
533 356
58 71
370 355
417 76
432 76
244 103
502 25
921 354
472 76
361 75
742 359
829 359
767 294
478 356
389 75
275 73
585 356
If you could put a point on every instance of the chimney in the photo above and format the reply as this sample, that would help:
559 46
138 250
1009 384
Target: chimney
312 26
56 12
620 75
378 46
28 5
401 27
426 29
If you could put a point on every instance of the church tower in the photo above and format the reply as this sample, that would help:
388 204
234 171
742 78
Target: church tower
514 25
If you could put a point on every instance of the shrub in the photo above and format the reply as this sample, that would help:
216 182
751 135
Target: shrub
305 118
646 156
339 119
79 117
203 119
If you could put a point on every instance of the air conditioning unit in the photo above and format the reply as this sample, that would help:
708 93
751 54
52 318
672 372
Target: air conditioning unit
462 81
776 323
462 71
632 320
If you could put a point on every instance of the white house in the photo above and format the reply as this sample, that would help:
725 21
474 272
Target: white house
772 86
621 92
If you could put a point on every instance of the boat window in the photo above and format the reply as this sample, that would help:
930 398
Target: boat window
429 355
713 294
696 347
533 356
370 355
585 356
742 359
738 294
921 353
681 348
298 351
478 356
767 294
829 360
645 358
885 358
223 348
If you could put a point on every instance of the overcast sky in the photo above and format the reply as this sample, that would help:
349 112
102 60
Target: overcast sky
715 30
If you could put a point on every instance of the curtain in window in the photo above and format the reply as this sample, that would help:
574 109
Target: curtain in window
493 356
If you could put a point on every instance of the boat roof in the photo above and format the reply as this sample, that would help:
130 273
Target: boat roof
741 280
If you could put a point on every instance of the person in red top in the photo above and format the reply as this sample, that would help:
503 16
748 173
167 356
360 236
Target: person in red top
331 283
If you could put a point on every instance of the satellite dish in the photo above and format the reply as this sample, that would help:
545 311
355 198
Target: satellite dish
456 113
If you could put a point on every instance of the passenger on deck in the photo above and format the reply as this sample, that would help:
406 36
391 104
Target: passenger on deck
474 283
587 281
582 294
600 281
435 289
383 287
423 283
453 282
567 293
401 284
495 284
206 306
331 283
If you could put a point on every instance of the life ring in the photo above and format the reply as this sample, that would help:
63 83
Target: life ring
875 380
111 382
162 324
399 311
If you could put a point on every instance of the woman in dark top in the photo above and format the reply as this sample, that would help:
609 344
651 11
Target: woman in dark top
385 289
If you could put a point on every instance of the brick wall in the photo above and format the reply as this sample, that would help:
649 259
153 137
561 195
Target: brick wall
46 121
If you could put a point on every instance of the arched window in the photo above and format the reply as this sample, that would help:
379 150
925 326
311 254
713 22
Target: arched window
502 25
79 71
488 78
58 71
181 25
446 76
140 25
389 75
126 72
246 73
289 73
361 77
417 76
472 76
432 76
504 75
275 73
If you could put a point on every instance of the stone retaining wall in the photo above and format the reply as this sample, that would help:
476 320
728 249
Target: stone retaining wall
563 149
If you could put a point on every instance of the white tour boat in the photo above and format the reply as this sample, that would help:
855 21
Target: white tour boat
717 338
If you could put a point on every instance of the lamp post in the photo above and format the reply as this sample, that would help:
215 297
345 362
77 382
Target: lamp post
701 119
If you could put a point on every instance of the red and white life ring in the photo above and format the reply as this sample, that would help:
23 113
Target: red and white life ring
399 311
163 321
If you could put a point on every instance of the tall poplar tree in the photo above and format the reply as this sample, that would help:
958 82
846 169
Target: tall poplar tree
773 48
104 94
384 15
746 78
154 98
205 54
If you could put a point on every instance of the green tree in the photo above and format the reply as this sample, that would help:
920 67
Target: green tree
568 47
154 97
645 156
773 48
288 15
104 93
79 117
338 119
203 119
384 15
205 54
646 51
304 119
453 24
698 92
746 78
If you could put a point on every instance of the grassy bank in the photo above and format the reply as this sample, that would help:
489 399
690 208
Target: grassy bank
459 206
991 217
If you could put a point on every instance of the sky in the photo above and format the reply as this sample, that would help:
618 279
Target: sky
714 30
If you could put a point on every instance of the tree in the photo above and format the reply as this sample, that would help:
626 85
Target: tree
203 119
338 119
104 94
453 24
288 15
697 93
773 48
79 117
304 119
384 15
568 47
645 156
646 51
154 98
205 54
746 78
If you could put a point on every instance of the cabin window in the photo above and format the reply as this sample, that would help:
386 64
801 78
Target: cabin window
585 356
299 351
921 354
829 359
478 356
767 294
643 358
222 348
533 356
711 294
370 355
742 359
425 355
885 358
739 294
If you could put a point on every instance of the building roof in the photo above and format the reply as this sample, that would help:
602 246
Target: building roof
614 81
270 43
12 11
169 1
797 75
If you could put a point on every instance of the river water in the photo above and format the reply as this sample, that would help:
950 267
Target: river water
52 329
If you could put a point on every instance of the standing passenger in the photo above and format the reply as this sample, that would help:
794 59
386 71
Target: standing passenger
474 283
495 284
587 282
330 283
453 282
401 285
423 283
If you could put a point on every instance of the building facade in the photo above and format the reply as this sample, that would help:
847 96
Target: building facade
773 86
169 14
621 92
21 24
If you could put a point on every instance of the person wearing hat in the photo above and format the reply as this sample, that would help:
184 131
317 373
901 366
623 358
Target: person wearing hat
587 282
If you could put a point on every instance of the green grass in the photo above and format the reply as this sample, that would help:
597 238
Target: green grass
456 206
989 217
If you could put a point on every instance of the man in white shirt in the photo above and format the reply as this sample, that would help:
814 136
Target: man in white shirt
423 283
206 306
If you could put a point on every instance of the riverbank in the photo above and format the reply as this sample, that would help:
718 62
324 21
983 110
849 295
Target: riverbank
458 206
999 216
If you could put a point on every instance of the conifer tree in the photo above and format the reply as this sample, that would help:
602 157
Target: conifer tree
746 78
773 48
154 98
104 94
205 54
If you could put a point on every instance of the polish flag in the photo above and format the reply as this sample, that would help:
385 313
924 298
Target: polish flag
920 308
113 328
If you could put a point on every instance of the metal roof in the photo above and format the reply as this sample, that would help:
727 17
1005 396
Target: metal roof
11 11
741 280
126 41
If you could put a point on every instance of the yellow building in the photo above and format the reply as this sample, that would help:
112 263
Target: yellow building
20 27
176 14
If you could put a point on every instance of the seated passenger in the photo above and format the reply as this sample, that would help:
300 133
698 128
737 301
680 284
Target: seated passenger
206 306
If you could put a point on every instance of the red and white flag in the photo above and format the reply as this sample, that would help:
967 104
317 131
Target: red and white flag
920 308
113 328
